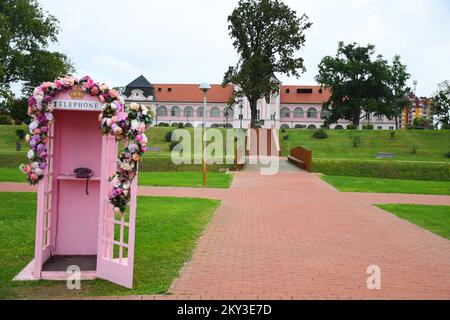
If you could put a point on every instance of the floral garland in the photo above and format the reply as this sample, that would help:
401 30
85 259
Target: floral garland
129 125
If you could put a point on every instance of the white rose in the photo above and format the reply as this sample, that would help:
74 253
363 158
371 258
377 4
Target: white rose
134 106
126 186
134 125
31 154
39 172
35 165
33 125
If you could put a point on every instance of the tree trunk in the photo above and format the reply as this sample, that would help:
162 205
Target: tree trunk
396 122
254 112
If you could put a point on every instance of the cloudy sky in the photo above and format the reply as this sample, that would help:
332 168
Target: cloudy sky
186 41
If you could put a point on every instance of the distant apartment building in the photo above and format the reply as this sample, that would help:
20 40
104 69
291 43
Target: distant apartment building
420 108
292 107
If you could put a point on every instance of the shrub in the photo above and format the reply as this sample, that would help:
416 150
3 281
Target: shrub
351 127
188 125
368 127
283 130
181 125
414 149
20 133
384 169
447 154
320 134
163 124
392 134
356 141
286 137
168 136
174 125
173 144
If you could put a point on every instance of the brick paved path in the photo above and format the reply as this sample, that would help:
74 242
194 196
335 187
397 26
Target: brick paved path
292 236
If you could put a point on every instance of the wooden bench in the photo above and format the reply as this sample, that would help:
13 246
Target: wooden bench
302 158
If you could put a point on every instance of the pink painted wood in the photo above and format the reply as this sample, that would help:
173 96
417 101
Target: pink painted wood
69 222
111 263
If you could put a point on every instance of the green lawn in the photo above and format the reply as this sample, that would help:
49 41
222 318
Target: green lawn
431 145
158 179
371 185
433 218
185 179
167 231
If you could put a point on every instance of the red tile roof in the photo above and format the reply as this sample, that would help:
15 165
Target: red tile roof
191 93
293 97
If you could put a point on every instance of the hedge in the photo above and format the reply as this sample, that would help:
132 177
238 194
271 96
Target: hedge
384 169
15 159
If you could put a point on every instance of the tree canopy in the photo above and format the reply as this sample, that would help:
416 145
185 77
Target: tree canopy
267 35
441 105
359 81
26 32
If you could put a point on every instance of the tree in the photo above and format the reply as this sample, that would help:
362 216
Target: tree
266 35
441 105
399 98
358 83
26 32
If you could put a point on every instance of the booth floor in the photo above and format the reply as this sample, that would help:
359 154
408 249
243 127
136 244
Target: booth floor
62 263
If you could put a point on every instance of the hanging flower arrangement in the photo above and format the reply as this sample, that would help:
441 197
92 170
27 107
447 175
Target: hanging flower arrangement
127 124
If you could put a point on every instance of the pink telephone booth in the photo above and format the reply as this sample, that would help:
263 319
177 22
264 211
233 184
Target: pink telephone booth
76 224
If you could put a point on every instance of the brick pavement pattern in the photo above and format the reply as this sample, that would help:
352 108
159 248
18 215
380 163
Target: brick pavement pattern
293 236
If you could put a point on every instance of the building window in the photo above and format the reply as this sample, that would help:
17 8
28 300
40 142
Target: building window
285 112
299 113
391 128
162 111
215 112
188 112
380 128
175 111
312 113
228 112
200 113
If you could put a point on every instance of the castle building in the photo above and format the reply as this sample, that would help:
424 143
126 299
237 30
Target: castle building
297 107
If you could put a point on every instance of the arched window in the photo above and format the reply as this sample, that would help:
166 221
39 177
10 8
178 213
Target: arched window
228 113
188 112
284 127
339 127
285 112
312 127
312 113
200 113
215 112
175 111
299 113
162 111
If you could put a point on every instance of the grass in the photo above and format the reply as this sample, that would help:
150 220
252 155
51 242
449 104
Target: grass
185 179
358 184
433 218
167 231
431 145
158 179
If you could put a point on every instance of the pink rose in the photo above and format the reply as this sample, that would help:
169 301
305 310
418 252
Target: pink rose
136 157
114 119
34 177
100 117
27 169
138 138
37 131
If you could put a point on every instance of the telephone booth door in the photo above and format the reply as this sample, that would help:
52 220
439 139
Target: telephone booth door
115 257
